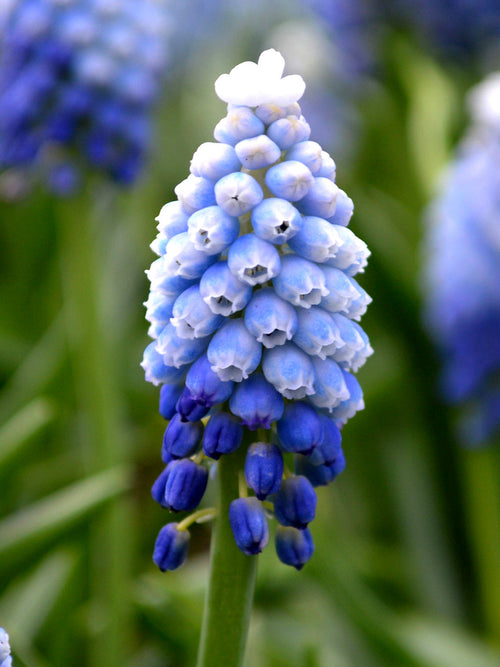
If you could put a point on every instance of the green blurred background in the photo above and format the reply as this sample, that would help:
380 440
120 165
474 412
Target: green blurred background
407 562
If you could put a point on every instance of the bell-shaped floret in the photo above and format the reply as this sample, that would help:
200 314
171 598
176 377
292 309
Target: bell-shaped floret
185 484
233 352
191 317
356 308
361 355
162 280
223 293
289 370
205 386
352 253
171 547
263 469
317 240
183 259
213 161
276 220
270 319
188 408
181 438
169 395
159 307
257 152
328 167
348 408
300 429
289 180
321 198
195 192
176 351
343 210
300 282
155 369
211 230
256 402
293 546
319 475
249 525
351 338
238 193
253 260
172 219
240 123
307 152
328 448
317 333
329 385
223 435
341 290
288 131
295 502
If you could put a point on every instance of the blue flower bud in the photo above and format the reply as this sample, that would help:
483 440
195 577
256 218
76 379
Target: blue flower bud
317 333
211 230
343 210
195 192
240 123
249 525
294 547
191 317
159 306
238 193
316 240
181 438
322 474
190 409
328 167
158 488
289 180
268 113
169 395
341 290
270 319
295 502
353 404
300 282
328 448
257 152
223 293
233 352
176 351
321 198
213 161
276 220
205 386
256 402
329 385
253 260
288 131
183 259
162 280
172 219
289 370
263 469
156 371
171 547
352 252
307 152
223 435
185 485
300 429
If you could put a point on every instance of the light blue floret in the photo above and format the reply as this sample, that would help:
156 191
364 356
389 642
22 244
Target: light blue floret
162 280
300 282
328 167
309 153
352 253
240 123
191 316
276 220
213 161
321 198
359 303
159 306
289 180
177 351
233 352
316 240
159 245
238 193
195 192
353 404
222 291
257 152
289 370
155 369
288 131
343 210
268 113
329 387
211 230
270 319
349 335
317 334
253 260
183 259
341 290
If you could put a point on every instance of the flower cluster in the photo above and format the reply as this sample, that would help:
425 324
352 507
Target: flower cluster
253 309
462 270
77 82
5 657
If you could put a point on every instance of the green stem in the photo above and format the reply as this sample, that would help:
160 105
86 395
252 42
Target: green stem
232 579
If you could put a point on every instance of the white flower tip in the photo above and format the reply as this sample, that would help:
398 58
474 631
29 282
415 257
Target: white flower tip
484 101
251 84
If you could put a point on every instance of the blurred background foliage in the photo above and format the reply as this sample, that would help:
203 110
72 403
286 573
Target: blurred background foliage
407 562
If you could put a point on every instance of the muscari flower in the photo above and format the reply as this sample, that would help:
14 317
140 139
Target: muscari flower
77 84
462 271
253 311
5 657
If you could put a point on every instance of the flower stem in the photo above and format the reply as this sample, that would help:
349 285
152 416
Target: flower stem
232 579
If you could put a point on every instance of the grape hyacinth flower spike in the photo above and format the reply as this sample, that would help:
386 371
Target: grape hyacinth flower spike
253 312
5 656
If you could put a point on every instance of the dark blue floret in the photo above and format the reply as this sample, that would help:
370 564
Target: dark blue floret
320 475
205 386
181 438
295 502
300 429
294 547
249 525
329 447
223 435
189 409
185 485
257 402
263 469
171 547
169 395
